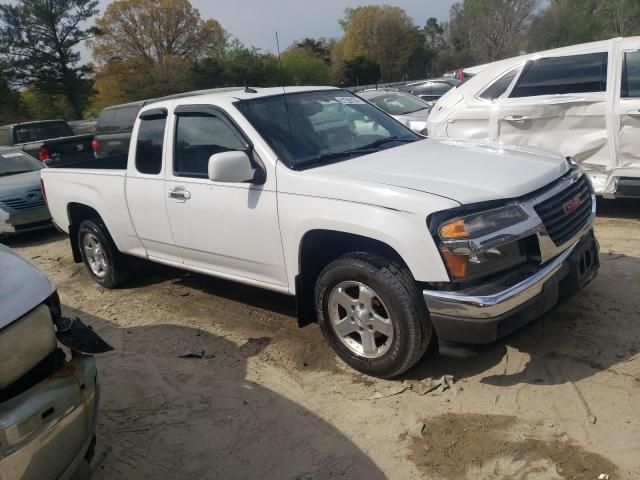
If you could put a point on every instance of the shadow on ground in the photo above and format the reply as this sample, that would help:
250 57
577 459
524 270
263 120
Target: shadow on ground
33 239
163 416
591 332
619 208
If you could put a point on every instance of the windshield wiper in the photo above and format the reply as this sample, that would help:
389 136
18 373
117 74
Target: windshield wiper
370 148
382 141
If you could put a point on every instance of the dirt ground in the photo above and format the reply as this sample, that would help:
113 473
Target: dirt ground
256 397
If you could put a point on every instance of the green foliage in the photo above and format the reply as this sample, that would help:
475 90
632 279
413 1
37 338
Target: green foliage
38 105
570 22
301 66
361 71
10 108
39 38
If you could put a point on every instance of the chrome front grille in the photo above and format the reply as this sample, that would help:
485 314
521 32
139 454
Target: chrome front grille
567 212
29 201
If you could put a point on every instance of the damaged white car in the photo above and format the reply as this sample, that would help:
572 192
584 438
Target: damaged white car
582 101
48 379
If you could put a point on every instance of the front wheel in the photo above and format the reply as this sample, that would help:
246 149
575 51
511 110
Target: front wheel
371 313
105 263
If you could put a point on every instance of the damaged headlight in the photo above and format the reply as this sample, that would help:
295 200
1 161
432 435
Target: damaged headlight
25 343
466 262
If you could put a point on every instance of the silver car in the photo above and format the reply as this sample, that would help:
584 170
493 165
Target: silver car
22 206
404 107
48 396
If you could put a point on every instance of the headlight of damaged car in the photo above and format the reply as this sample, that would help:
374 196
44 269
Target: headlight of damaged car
476 263
478 224
25 343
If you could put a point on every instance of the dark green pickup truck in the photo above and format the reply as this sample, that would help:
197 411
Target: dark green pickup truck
50 141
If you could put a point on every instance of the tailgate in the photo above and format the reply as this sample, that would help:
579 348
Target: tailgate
69 149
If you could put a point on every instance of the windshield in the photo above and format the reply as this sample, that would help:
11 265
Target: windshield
12 163
322 127
398 103
35 132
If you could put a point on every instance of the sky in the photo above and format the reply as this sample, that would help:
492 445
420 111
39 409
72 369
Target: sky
254 22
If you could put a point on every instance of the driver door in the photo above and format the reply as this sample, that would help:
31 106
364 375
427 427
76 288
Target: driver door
225 228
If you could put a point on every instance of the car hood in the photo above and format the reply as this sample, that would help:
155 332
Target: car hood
22 286
467 172
419 115
19 184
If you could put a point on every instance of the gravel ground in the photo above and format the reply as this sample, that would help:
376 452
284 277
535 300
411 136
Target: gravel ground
256 397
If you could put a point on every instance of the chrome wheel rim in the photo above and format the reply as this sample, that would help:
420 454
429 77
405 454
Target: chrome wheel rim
360 319
94 253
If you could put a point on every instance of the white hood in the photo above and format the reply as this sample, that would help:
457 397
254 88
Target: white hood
466 172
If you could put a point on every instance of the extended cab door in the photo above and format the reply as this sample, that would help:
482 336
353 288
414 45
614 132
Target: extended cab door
145 189
225 228
628 111
559 104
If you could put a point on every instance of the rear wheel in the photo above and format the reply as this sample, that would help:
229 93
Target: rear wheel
105 263
372 314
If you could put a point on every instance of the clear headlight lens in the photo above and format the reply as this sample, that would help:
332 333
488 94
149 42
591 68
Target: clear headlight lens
25 343
478 224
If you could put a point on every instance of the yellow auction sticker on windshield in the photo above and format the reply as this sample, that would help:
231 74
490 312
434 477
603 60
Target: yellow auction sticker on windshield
350 100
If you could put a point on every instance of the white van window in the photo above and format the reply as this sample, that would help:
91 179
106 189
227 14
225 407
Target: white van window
497 88
563 75
631 75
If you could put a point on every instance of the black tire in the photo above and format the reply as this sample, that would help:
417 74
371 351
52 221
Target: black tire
396 289
116 270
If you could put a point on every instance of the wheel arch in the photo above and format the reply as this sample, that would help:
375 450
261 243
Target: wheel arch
77 213
319 247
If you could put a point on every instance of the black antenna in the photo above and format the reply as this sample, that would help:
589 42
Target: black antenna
284 92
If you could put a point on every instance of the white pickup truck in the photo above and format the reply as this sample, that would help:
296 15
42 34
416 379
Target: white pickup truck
391 241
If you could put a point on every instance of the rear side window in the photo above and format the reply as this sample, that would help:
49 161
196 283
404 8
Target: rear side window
105 121
149 145
630 75
35 132
4 136
197 138
125 118
497 89
563 75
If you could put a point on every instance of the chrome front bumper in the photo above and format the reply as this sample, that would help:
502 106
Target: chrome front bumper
462 316
460 304
46 431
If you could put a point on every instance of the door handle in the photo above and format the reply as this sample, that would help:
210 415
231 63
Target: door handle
517 118
634 114
179 193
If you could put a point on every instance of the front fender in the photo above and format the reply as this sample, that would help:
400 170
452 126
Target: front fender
404 232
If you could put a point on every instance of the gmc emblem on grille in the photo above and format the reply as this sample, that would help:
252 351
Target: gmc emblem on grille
572 205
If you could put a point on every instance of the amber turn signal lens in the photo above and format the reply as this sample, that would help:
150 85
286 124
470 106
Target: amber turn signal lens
456 264
455 229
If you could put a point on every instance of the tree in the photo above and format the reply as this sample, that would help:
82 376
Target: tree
39 39
383 34
566 22
319 48
10 110
361 71
434 42
495 29
301 67
157 42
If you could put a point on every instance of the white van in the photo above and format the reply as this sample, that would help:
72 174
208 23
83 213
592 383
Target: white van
582 101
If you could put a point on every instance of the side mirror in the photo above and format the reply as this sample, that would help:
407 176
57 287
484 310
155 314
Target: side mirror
231 167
